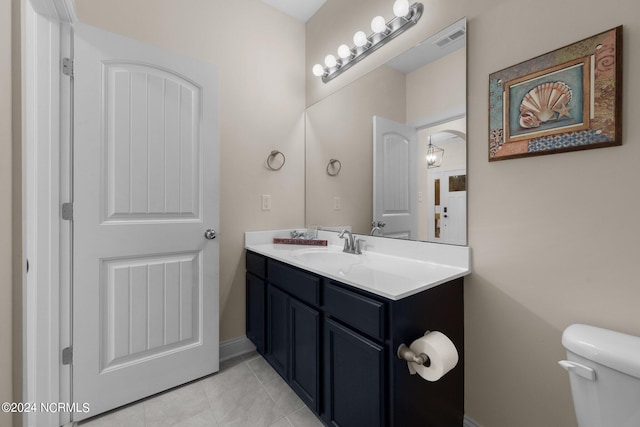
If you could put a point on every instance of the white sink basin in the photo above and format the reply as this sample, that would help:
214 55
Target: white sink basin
370 268
326 258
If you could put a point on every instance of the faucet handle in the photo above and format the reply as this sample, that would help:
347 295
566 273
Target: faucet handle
357 248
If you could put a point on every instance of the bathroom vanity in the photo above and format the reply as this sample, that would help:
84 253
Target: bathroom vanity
331 323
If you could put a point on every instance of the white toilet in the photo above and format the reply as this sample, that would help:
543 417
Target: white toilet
604 370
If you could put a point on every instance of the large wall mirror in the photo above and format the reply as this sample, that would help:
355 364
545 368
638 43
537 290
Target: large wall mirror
386 155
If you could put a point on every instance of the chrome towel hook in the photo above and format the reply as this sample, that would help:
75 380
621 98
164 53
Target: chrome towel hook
332 169
272 156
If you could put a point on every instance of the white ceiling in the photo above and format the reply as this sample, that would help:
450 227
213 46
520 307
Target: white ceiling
302 10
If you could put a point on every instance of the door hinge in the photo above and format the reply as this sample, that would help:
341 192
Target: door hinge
67 211
67 67
67 356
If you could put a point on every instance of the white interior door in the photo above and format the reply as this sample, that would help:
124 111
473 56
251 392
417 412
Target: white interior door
447 217
146 187
395 178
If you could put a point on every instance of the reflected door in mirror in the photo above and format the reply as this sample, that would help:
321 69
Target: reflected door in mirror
395 172
447 212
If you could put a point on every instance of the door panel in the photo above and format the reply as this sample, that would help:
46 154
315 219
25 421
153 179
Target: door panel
354 378
255 319
146 177
145 280
305 351
278 330
139 294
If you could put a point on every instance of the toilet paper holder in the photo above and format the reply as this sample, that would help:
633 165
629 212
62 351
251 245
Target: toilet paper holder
406 354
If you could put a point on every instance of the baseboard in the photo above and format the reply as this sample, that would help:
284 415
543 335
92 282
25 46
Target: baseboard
468 422
235 347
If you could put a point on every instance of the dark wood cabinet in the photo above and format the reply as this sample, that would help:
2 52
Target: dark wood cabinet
293 329
278 347
336 345
256 300
304 333
355 379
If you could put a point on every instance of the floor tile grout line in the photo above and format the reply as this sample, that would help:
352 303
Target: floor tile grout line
262 385
268 394
213 412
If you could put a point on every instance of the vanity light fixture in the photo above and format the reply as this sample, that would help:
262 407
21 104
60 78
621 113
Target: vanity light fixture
405 17
434 155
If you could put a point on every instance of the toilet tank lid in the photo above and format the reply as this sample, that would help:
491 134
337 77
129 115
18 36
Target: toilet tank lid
609 348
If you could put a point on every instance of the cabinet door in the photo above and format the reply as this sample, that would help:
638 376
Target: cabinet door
305 352
256 321
354 378
278 330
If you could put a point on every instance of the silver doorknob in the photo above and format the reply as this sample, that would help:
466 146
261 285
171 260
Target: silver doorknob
210 234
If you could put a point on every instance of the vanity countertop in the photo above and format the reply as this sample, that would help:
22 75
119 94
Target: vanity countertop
391 268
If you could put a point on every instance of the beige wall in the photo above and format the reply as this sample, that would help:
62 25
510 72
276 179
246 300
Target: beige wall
260 54
437 87
6 281
553 237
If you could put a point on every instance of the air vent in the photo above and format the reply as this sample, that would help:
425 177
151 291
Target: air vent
457 34
449 36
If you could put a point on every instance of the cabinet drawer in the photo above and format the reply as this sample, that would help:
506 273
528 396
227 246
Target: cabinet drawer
257 264
358 311
301 285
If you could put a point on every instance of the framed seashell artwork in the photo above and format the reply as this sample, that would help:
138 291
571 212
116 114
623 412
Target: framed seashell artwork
566 100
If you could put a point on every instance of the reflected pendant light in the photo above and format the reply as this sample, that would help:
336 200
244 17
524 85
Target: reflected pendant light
434 155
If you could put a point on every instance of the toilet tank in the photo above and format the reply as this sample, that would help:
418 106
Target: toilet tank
604 371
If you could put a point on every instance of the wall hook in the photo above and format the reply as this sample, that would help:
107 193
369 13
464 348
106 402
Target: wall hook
272 156
332 169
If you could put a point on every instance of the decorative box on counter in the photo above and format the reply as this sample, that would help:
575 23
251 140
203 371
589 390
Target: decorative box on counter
287 241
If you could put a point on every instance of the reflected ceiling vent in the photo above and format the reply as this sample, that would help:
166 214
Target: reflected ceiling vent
448 36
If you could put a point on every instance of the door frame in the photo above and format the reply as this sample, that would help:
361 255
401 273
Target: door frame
46 239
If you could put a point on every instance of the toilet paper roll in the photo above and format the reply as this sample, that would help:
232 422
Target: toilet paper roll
442 353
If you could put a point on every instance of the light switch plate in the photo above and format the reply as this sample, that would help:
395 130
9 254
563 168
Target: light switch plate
266 202
337 204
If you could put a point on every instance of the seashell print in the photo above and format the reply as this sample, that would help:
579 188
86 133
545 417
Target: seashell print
547 101
529 120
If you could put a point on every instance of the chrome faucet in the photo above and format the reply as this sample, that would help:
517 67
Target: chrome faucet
351 245
376 229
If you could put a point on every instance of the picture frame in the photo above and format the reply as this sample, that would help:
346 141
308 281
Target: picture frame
565 100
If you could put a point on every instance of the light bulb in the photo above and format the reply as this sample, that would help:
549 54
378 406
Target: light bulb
330 61
318 70
378 24
431 158
401 8
360 39
344 51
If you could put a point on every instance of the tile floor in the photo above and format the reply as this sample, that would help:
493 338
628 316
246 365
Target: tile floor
247 392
